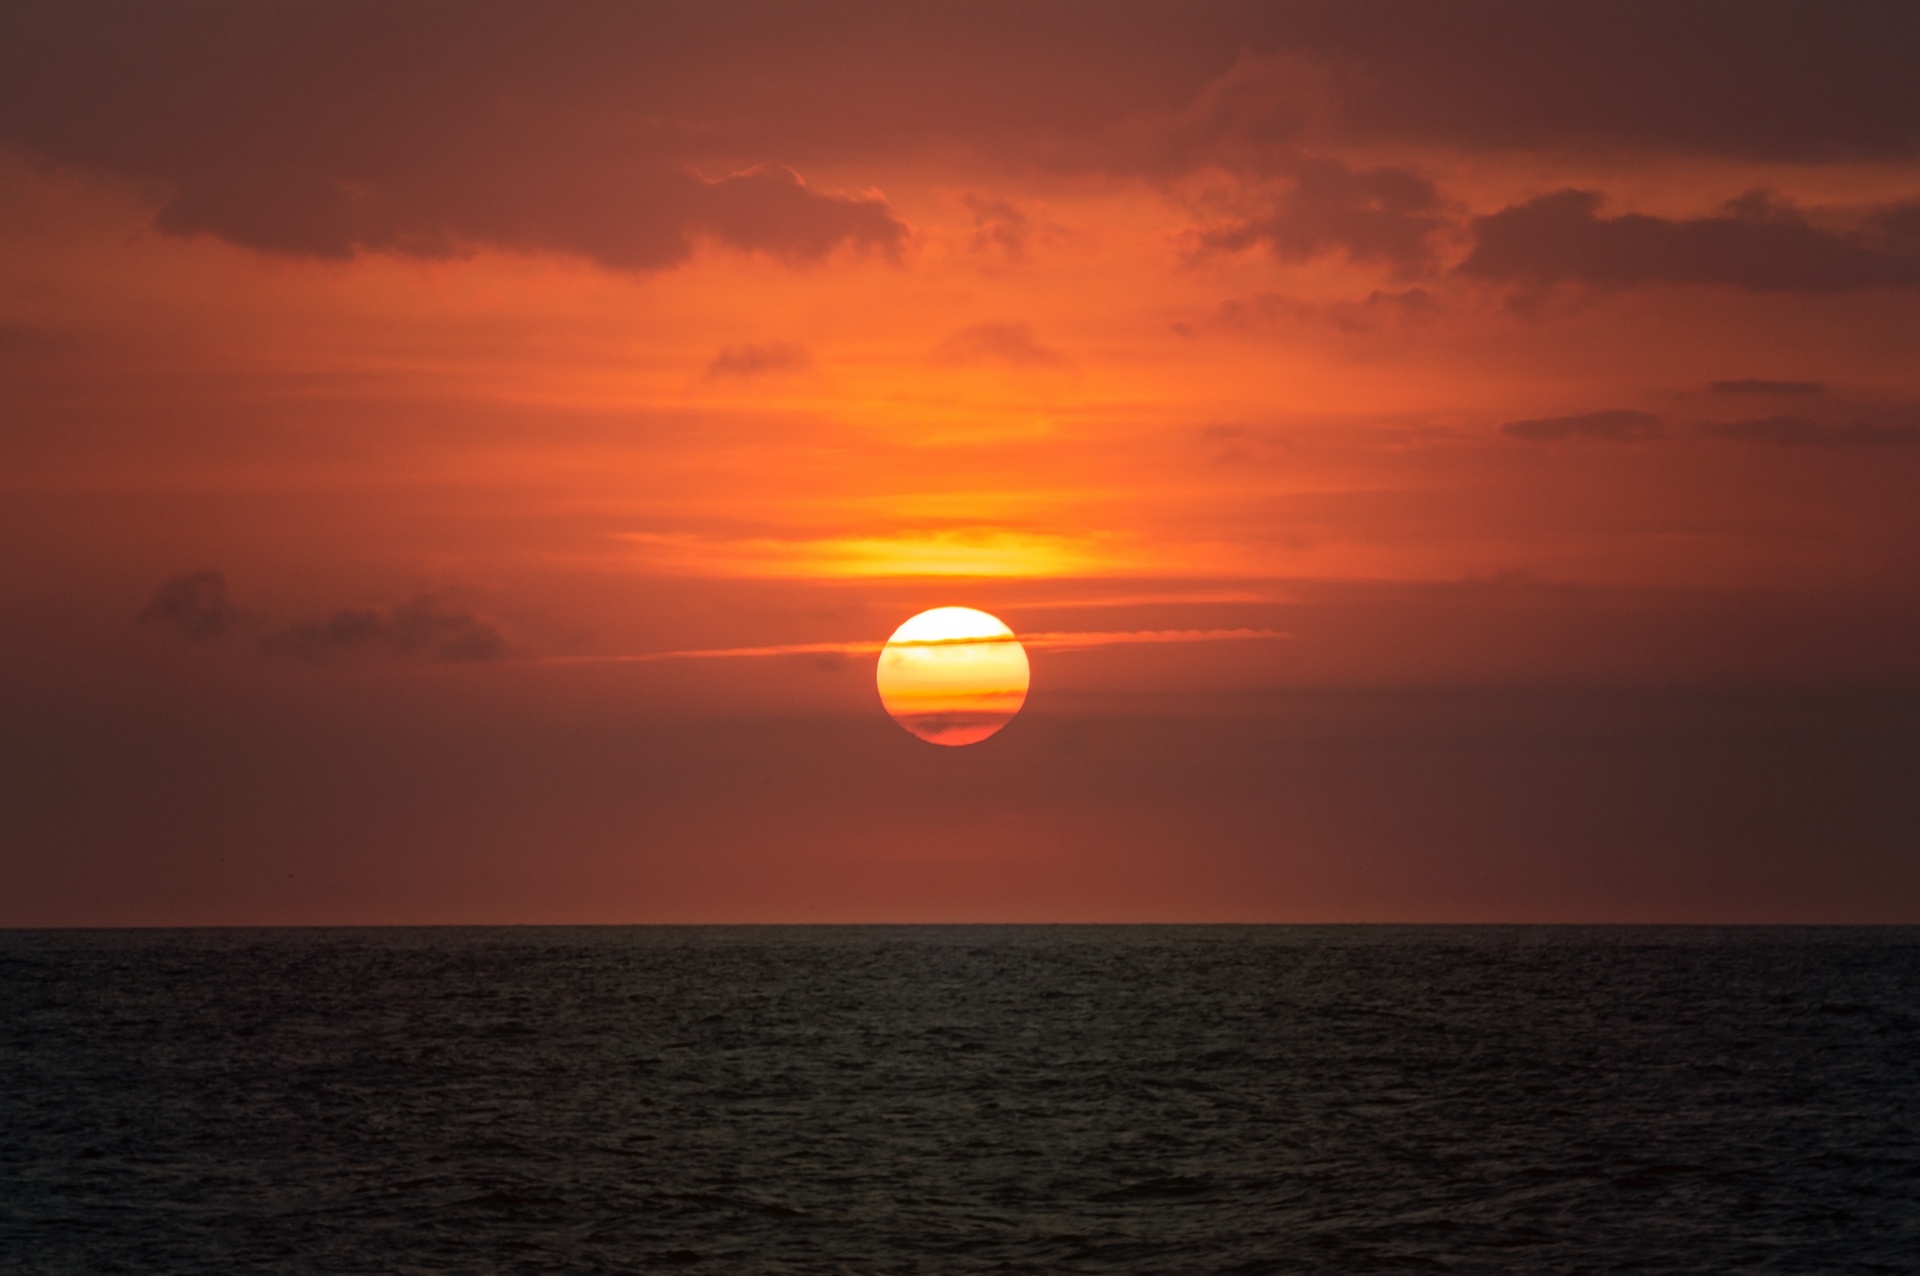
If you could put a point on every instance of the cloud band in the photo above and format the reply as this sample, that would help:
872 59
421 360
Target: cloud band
1047 641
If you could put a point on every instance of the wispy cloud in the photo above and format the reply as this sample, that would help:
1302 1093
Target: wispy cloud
417 627
1799 431
970 551
1049 641
766 359
1760 385
1156 600
193 604
1009 343
1113 638
1618 425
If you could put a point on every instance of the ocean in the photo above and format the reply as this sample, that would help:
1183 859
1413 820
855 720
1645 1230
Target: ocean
890 1100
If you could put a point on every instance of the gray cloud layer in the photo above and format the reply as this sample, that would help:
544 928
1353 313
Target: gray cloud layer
628 133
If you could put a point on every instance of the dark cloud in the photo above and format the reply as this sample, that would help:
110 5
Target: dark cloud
771 209
1386 215
1758 385
424 129
1763 79
193 604
586 126
1799 431
1766 79
634 215
416 628
1618 425
748 361
1755 244
1009 343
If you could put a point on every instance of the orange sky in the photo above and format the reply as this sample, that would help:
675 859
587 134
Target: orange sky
377 381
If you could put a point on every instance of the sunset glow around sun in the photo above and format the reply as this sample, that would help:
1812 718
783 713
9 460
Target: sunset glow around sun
953 675
462 462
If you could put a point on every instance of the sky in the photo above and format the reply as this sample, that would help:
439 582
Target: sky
1460 459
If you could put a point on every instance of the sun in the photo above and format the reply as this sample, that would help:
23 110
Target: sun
953 675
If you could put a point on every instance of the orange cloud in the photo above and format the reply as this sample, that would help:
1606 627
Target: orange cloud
1045 641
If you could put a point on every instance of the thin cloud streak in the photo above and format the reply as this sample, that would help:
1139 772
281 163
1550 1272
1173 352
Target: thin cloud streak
1050 641
1112 638
1156 600
722 653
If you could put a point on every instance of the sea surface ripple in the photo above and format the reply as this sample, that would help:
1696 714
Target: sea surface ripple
892 1100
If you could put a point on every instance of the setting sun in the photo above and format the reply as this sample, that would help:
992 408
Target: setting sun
953 675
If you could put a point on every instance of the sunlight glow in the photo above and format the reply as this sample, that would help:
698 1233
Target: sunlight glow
958 553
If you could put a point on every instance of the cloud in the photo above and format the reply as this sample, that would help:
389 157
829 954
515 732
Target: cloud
759 360
1381 310
636 215
581 121
1086 640
1066 640
1783 430
1692 77
1757 385
193 604
1179 599
1618 425
422 129
1387 215
1755 245
416 628
431 128
771 209
999 226
1009 343
1799 431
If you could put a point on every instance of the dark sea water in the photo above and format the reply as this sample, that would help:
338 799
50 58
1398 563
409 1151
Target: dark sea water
964 1099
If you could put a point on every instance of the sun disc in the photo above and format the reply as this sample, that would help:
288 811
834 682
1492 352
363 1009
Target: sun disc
952 675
